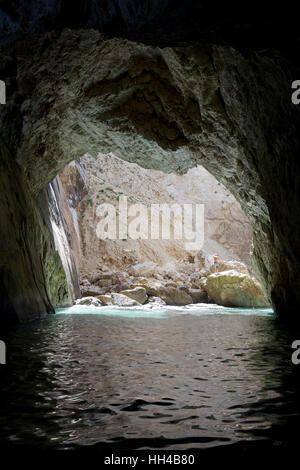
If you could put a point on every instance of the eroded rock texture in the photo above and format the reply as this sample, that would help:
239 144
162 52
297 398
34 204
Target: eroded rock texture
168 109
29 264
40 247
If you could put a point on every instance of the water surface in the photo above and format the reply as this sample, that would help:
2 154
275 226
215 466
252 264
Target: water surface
170 378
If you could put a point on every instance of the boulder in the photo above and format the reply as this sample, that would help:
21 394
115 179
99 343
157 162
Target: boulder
233 265
138 293
175 296
235 289
198 295
153 288
156 301
123 300
89 301
106 299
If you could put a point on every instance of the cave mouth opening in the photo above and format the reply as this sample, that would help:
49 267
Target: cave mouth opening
166 108
99 243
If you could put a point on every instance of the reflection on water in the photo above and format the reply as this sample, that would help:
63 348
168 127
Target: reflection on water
167 380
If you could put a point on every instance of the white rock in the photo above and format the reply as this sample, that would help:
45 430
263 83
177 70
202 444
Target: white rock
123 300
89 301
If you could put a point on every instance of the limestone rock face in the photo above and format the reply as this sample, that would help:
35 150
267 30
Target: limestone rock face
73 180
138 293
123 300
227 230
235 289
164 108
32 277
63 227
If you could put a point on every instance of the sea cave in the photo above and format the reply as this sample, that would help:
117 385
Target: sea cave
158 102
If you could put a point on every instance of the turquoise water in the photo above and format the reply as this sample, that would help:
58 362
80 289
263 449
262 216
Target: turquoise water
164 312
200 376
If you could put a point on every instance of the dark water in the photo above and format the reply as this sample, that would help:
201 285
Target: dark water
171 381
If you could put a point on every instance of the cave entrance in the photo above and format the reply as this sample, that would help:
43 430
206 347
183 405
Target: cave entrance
106 262
168 109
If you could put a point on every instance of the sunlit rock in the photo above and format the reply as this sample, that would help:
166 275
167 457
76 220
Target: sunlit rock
123 300
106 299
138 293
156 301
235 289
89 301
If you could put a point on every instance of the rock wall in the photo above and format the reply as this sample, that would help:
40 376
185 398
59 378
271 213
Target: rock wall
31 274
226 231
62 224
40 247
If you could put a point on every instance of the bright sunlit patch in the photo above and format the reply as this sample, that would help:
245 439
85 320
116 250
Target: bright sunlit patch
148 311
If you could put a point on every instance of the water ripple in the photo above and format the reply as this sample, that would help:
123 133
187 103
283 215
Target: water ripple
168 381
